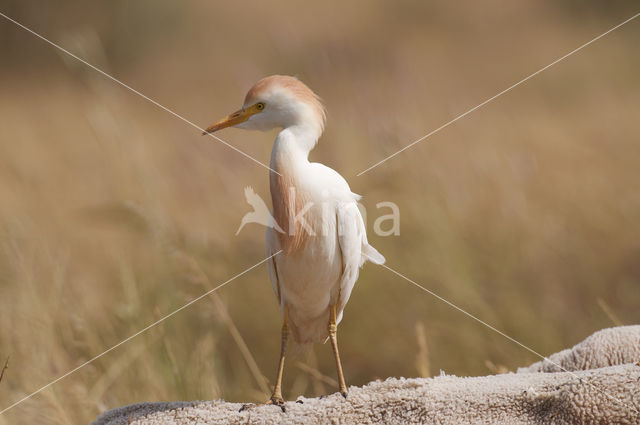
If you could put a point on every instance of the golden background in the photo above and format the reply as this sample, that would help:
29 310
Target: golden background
114 213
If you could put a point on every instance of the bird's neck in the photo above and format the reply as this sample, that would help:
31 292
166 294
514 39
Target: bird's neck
289 183
291 149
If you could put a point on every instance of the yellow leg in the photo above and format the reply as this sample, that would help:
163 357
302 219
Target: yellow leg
276 398
333 330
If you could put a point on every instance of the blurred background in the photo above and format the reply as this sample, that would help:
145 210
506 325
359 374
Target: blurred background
114 213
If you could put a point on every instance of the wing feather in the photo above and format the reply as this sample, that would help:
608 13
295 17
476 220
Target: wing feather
273 246
355 249
350 237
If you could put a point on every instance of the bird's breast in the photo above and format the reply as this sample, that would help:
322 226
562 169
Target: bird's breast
294 212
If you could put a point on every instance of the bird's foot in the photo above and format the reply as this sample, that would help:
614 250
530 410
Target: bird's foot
274 400
277 401
343 393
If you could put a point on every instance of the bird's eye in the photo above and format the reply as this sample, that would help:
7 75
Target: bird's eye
260 106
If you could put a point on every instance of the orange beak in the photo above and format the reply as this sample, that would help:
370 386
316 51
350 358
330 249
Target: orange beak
236 118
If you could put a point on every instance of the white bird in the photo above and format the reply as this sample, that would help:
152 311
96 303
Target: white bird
324 241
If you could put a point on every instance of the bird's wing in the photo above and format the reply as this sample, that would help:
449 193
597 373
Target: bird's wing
273 246
351 232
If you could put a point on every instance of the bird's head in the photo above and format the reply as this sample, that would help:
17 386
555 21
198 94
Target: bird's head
278 101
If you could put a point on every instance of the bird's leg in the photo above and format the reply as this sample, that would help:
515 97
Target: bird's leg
276 398
333 330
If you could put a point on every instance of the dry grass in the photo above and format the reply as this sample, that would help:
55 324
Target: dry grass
524 213
4 368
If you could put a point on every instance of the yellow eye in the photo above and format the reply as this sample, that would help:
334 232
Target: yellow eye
259 106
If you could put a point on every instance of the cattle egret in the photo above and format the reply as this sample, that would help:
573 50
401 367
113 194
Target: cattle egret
324 242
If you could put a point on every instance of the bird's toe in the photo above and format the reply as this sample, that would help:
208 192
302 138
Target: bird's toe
277 401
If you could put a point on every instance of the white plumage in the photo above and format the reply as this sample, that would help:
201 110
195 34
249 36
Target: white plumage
324 270
324 242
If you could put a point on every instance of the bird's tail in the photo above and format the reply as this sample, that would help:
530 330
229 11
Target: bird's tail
371 254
